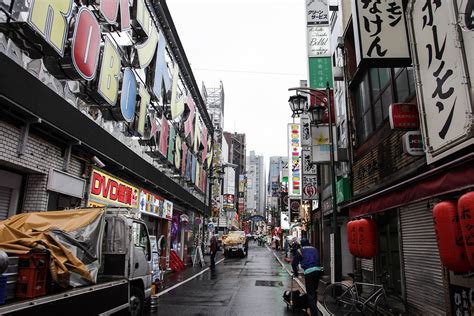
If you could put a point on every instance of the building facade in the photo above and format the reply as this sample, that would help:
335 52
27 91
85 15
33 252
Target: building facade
97 127
256 189
405 114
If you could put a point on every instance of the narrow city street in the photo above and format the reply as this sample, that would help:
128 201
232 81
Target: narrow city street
238 286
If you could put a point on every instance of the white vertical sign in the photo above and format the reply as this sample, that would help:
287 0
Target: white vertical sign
294 158
444 92
380 30
317 12
318 41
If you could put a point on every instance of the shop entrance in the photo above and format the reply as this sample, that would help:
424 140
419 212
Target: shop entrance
10 185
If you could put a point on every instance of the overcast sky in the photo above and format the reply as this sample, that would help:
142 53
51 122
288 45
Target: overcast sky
258 49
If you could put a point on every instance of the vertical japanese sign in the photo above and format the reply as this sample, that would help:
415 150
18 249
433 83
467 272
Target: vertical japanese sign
294 157
444 93
310 177
320 72
319 49
380 32
317 12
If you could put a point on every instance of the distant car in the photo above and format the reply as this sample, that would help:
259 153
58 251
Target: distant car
234 243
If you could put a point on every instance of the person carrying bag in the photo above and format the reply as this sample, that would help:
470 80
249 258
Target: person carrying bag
309 259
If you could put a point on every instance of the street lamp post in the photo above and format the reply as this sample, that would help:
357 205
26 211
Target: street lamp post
316 114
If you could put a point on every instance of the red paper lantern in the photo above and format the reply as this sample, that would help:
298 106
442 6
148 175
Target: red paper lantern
352 238
466 221
450 239
367 235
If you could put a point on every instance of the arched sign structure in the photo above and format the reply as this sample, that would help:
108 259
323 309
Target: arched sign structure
255 218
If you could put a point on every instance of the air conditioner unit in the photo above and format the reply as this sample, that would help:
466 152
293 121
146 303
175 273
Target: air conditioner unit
340 42
338 73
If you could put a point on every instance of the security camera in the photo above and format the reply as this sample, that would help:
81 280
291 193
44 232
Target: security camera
98 162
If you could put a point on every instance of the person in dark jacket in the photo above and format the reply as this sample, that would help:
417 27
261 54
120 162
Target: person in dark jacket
308 257
213 251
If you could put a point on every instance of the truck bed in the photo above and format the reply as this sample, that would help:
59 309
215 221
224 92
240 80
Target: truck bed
103 298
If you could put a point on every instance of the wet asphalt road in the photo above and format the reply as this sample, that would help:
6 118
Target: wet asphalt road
238 286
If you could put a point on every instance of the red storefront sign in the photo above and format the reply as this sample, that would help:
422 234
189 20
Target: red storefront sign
404 116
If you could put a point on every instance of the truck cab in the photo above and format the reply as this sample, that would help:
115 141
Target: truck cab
127 254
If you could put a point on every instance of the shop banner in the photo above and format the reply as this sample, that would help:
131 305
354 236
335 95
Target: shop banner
305 130
294 157
310 187
228 201
317 12
380 33
108 190
318 41
167 209
151 204
320 72
309 168
294 209
320 150
446 105
285 220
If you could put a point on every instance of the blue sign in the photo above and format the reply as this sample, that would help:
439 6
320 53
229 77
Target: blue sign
128 98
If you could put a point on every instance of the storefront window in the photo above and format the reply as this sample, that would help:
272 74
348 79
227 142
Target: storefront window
379 88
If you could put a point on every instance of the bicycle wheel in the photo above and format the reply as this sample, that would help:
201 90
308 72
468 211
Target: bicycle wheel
338 299
389 305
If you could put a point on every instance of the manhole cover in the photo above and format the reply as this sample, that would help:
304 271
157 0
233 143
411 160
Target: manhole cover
268 283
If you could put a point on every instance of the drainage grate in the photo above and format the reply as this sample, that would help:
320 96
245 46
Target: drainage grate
268 283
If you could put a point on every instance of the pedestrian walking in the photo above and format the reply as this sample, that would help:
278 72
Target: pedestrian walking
286 245
213 251
308 257
246 246
277 244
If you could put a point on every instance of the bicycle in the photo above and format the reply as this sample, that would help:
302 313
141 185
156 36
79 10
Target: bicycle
340 298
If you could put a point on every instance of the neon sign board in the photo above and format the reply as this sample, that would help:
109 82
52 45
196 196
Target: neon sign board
79 42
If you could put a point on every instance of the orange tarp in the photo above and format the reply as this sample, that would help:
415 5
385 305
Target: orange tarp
23 232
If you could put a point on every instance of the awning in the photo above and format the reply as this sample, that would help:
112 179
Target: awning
449 178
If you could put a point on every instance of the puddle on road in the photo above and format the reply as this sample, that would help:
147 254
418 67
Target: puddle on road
268 283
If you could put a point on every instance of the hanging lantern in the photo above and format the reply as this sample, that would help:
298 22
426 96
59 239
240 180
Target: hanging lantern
352 237
449 236
466 221
367 236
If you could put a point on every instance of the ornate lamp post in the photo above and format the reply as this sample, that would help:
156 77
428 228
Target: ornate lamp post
316 114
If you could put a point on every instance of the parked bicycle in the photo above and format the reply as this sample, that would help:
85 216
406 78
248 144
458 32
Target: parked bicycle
341 298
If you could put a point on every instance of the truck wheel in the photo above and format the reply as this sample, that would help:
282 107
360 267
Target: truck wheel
137 301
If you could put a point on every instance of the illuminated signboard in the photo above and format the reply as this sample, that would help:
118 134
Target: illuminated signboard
294 156
124 70
151 204
108 190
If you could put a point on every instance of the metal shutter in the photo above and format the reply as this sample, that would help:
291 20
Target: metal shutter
367 264
422 267
5 197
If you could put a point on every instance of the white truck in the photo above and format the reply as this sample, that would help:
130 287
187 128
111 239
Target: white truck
123 279
235 242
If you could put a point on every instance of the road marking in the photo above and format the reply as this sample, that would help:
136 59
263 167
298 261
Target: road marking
185 281
320 306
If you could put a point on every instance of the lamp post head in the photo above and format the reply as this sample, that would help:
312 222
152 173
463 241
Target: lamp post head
297 104
317 114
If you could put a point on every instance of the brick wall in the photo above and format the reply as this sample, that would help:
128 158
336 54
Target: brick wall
38 158
381 164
